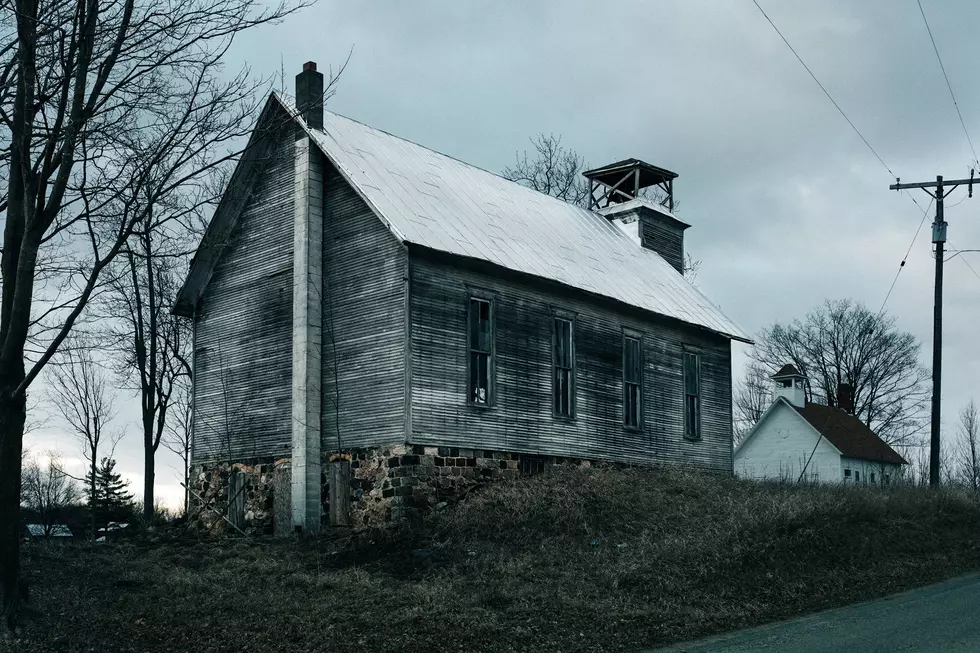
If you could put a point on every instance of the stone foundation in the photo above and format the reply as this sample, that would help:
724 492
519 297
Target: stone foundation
386 483
210 481
408 480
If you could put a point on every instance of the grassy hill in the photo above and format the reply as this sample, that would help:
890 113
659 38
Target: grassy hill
575 560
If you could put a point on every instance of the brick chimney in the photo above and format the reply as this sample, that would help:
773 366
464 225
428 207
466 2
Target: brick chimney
845 398
309 95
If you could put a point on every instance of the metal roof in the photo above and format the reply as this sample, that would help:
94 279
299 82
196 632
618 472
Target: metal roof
433 200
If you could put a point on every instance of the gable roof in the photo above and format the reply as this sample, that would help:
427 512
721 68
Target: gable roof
437 202
849 434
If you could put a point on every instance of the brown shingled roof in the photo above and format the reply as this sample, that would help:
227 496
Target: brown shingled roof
849 434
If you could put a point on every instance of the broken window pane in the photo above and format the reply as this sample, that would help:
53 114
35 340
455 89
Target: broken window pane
481 351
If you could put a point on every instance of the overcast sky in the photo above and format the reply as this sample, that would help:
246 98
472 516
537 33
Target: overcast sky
788 206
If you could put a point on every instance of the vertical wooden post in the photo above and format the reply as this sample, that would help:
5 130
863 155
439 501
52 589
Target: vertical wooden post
939 238
236 498
282 506
340 491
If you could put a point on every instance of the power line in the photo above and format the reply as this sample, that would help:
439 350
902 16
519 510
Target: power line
865 140
946 77
901 266
822 88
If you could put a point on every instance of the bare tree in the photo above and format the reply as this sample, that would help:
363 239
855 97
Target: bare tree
553 169
47 491
151 344
83 398
968 458
843 342
556 170
113 115
178 435
751 398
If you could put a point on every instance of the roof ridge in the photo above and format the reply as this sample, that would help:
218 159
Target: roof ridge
434 151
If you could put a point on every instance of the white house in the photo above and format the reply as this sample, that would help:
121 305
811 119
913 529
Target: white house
797 439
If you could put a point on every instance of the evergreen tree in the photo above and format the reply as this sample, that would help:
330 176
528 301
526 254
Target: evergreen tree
111 501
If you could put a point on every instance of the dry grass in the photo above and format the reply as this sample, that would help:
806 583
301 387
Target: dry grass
582 560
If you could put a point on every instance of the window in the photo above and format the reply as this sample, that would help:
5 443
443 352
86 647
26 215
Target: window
564 359
632 382
692 396
847 475
481 351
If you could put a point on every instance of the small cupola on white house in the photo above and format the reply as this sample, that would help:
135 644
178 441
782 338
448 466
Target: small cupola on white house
791 385
797 440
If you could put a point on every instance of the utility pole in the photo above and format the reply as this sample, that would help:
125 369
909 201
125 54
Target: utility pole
939 240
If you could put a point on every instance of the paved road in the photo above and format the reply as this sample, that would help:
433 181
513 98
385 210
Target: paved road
943 617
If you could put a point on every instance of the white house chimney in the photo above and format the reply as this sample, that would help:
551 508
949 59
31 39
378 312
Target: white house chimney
790 385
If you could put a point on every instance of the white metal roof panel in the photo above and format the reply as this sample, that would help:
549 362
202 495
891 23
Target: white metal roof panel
436 201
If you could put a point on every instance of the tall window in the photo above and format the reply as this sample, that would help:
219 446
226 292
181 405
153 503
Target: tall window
632 381
564 379
692 396
481 351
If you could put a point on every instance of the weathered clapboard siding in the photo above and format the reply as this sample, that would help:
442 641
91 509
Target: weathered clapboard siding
365 272
521 418
243 326
666 240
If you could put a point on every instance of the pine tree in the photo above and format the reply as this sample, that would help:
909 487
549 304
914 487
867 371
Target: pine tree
111 501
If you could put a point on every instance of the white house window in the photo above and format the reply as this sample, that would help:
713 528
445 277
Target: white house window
692 396
632 382
564 359
847 475
481 351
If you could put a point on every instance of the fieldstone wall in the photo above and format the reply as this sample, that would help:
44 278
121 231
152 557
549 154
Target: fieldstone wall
210 481
386 483
400 481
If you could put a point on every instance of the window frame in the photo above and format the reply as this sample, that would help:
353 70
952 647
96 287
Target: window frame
555 318
627 335
491 353
699 433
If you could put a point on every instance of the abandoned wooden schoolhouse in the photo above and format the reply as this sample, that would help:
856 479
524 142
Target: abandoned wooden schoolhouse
378 327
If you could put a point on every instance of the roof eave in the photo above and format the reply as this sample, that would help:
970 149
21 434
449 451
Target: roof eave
575 289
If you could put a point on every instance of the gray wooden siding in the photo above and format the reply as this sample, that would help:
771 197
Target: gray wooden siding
364 323
243 327
664 239
521 418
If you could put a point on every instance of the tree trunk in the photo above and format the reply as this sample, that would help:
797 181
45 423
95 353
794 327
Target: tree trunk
149 466
13 414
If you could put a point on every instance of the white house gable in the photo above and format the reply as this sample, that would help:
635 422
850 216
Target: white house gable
780 445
